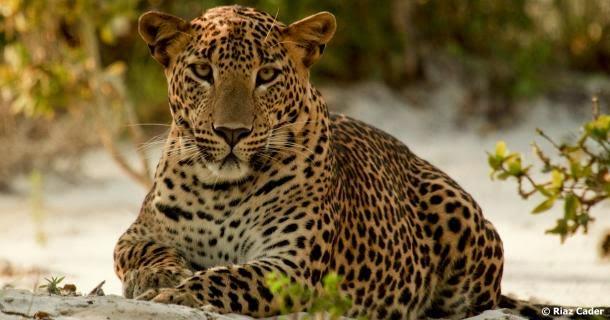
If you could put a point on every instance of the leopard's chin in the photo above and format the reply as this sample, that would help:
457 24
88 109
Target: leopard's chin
230 169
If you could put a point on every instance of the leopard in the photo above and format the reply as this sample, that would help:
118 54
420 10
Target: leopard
257 176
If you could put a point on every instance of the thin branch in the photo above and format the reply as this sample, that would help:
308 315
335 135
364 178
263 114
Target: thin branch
595 106
135 131
551 141
108 143
102 123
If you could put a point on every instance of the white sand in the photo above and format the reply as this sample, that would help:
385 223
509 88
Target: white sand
83 221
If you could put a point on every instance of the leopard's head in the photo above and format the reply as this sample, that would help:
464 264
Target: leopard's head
236 76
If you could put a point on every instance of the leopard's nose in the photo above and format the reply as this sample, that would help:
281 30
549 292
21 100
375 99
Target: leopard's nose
232 135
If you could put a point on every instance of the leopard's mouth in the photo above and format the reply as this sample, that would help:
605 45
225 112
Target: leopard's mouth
231 168
230 161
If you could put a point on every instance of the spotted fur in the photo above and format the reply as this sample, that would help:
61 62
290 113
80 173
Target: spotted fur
301 192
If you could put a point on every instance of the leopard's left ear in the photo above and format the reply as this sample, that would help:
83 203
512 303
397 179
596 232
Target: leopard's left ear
165 34
309 36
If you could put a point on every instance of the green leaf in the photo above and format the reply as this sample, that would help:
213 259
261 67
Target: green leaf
544 205
494 162
571 207
576 169
599 127
514 165
501 149
583 219
503 175
107 35
544 191
557 179
561 228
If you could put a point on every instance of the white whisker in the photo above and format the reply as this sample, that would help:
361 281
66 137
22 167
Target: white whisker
272 25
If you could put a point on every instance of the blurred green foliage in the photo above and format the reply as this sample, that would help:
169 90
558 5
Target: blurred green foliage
47 62
515 44
290 296
520 43
580 177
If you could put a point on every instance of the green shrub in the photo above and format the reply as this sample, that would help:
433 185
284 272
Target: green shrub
578 177
518 43
290 296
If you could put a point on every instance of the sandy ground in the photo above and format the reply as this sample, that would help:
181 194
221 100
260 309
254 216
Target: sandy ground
82 221
15 304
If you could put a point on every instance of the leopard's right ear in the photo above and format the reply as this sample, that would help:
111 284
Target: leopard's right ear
165 34
308 37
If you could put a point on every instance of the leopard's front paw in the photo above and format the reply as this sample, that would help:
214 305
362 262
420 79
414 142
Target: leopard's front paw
171 296
210 308
140 280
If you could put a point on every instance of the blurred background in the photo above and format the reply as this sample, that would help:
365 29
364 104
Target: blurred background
83 113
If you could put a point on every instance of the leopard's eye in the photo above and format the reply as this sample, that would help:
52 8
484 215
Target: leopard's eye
266 75
203 72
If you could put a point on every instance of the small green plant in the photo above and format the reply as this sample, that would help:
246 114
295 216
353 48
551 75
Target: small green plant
291 295
579 176
52 285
